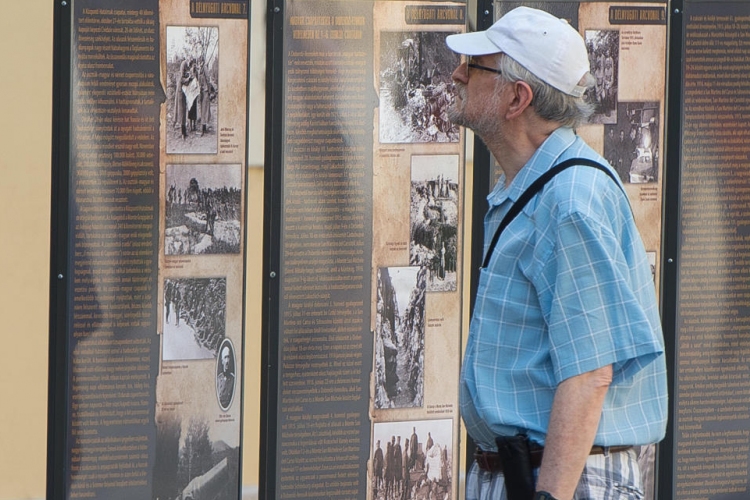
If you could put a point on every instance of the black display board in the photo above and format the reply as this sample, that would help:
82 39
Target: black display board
145 330
709 441
363 249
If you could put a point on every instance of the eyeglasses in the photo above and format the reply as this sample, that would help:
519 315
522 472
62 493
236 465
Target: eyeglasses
472 64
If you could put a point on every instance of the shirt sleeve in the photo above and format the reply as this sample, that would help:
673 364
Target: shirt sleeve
595 315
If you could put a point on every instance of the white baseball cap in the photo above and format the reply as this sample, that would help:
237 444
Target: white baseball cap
547 46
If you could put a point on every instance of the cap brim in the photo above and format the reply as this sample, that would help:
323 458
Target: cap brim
472 44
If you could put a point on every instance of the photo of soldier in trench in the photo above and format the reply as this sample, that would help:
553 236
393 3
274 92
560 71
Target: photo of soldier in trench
400 337
434 219
416 87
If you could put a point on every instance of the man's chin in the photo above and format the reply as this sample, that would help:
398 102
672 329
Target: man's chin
455 116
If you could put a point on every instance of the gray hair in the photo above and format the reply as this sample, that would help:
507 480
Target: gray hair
550 103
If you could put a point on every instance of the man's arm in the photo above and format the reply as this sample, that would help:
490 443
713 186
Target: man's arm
576 410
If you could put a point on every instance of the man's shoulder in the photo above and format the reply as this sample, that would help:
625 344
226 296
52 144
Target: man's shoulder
583 189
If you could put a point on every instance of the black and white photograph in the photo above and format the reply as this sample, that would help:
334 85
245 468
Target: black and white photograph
631 145
194 318
400 337
192 89
190 464
603 47
412 460
203 207
652 262
225 374
434 219
416 87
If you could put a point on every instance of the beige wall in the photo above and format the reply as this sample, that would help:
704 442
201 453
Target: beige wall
25 165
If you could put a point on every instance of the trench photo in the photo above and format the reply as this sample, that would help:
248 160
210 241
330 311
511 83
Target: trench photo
399 337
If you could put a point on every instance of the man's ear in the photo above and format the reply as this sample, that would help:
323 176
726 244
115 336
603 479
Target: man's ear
522 96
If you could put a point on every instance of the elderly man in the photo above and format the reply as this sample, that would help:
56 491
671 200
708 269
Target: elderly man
564 371
225 378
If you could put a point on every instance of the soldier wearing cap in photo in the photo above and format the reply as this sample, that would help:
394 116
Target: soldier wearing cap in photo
564 374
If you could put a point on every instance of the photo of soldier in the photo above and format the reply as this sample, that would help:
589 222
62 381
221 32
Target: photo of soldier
434 219
192 89
225 374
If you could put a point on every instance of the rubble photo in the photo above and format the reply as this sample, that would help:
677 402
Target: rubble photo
416 87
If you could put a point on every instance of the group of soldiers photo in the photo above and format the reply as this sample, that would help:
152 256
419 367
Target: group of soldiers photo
416 470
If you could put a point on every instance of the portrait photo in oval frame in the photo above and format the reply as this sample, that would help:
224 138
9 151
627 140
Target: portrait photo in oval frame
225 374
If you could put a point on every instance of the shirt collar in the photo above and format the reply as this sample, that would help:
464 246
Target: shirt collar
544 158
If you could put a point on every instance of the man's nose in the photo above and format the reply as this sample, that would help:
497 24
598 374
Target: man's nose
461 73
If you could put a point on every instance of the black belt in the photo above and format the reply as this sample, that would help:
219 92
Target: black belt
490 461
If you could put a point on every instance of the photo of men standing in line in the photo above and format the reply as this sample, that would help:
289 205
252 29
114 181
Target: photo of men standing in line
412 460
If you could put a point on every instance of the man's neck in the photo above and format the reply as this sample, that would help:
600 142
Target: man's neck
514 149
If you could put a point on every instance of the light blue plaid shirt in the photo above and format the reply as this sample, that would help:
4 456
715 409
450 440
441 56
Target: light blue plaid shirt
568 289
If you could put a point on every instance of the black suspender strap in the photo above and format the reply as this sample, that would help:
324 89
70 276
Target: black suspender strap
533 189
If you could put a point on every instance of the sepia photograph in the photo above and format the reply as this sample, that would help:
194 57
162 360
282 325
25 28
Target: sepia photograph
412 460
192 89
225 374
190 464
631 145
434 219
416 87
203 209
194 318
603 47
399 337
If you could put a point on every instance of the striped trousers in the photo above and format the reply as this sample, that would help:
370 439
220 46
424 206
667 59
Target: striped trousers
611 476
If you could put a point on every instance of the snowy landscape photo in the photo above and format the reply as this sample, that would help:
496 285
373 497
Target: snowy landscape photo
203 209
